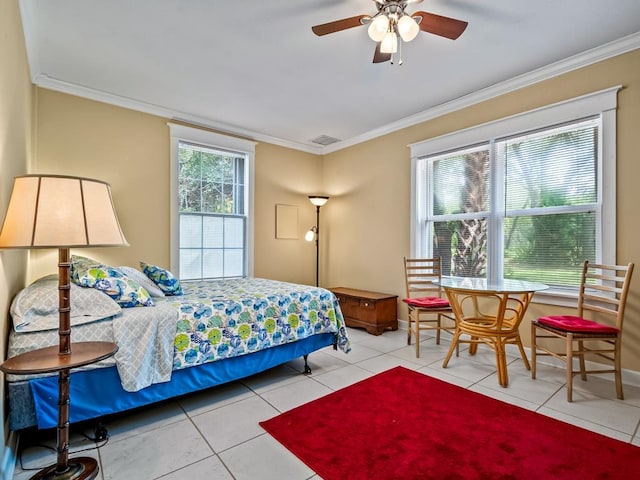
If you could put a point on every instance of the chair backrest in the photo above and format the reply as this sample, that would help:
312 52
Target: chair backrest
603 291
419 274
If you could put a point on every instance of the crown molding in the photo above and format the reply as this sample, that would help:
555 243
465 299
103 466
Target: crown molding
595 55
45 81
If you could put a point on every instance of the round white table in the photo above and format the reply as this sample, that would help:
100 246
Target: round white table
505 285
490 313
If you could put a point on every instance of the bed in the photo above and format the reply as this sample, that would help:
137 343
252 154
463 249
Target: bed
215 332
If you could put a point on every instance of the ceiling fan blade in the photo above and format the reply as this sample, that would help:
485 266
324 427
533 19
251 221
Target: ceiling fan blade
439 25
339 25
379 57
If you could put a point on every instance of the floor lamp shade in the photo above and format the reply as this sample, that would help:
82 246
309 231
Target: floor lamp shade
51 211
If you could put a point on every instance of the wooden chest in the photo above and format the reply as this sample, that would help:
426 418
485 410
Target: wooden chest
376 312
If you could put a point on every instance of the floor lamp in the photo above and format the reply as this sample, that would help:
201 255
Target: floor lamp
314 232
52 211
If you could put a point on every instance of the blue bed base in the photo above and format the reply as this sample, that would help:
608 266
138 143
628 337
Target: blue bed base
98 392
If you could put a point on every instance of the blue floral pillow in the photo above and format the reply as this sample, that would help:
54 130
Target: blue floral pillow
87 272
169 284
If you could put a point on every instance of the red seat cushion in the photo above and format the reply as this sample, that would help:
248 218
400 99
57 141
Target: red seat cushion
576 324
427 302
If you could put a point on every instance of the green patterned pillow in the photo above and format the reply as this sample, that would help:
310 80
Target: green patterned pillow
169 284
87 272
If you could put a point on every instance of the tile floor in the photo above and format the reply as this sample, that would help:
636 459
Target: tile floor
210 434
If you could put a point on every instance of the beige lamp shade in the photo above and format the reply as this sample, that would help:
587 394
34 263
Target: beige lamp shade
52 211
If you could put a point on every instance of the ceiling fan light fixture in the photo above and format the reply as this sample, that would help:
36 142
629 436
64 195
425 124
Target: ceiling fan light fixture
390 26
408 28
378 28
389 43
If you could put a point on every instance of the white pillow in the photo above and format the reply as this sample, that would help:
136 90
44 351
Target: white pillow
143 280
35 307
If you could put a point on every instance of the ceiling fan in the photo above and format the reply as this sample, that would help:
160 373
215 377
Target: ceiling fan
391 25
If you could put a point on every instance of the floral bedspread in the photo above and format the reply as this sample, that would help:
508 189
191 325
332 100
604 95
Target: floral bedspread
226 318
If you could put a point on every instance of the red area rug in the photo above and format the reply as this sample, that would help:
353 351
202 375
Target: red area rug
401 424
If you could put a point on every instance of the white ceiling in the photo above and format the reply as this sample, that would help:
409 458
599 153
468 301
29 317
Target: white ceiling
253 67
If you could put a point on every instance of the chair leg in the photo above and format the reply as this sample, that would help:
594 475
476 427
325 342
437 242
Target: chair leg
618 368
533 351
522 353
438 325
583 368
416 332
501 362
409 328
569 368
473 346
452 347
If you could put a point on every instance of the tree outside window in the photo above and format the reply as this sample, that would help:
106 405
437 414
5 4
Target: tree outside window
531 199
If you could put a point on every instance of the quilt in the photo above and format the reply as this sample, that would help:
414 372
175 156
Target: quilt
211 321
231 317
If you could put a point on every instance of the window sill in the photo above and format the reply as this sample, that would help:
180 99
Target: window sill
562 297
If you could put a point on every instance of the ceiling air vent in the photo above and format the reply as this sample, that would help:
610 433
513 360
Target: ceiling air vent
325 140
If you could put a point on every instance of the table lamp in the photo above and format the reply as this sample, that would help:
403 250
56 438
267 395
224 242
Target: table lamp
63 212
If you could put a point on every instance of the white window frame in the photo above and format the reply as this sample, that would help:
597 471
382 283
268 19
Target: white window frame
602 103
182 133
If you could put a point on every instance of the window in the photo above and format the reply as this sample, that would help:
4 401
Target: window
211 198
529 197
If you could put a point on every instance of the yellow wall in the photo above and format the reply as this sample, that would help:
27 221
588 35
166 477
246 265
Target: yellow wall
131 151
285 176
15 150
370 186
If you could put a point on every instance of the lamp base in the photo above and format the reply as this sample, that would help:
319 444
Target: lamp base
78 468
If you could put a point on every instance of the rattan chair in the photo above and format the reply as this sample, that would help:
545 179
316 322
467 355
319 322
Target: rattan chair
600 313
426 307
488 317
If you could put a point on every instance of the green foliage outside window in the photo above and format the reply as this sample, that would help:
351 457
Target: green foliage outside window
208 181
545 177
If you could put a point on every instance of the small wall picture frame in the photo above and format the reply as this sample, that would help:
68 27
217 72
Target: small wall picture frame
286 222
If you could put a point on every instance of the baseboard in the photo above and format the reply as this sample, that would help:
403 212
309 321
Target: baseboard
9 458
